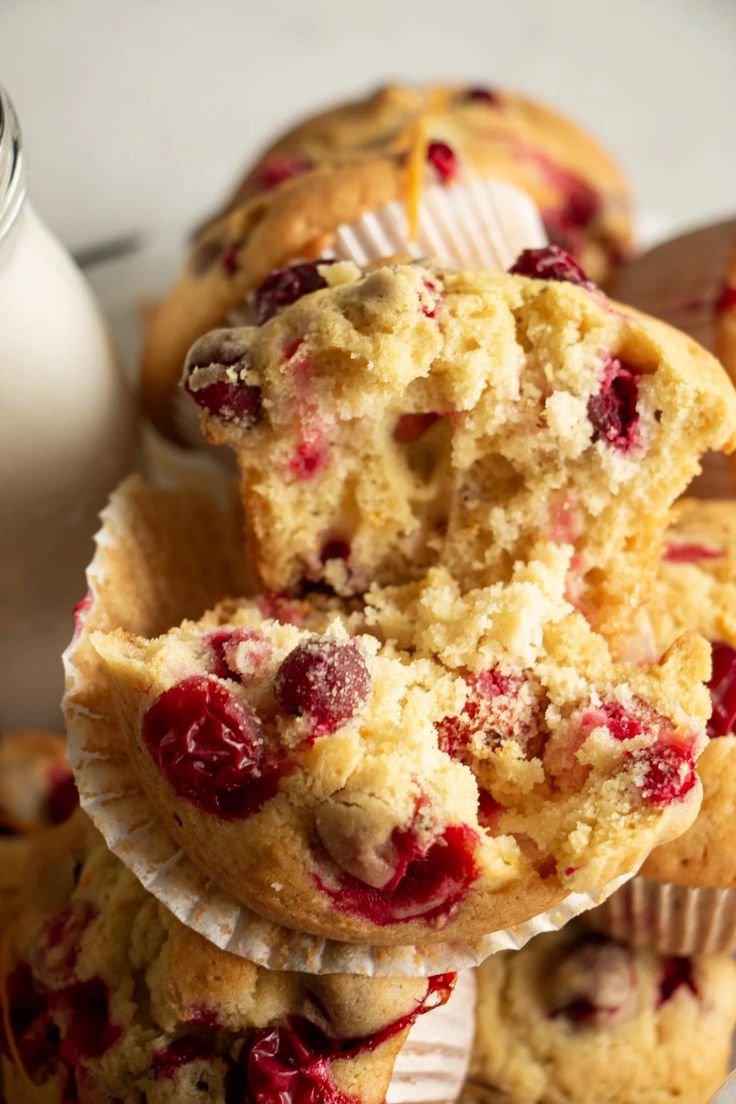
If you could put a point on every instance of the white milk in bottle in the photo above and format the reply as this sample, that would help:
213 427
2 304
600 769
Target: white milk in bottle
67 435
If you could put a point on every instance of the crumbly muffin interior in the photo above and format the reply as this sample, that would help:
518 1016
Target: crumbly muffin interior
414 416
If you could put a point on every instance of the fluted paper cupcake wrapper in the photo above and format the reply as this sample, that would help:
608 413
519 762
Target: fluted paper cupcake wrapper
163 556
475 224
727 1092
671 919
432 1065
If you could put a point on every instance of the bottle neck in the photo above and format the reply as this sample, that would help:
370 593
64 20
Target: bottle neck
12 166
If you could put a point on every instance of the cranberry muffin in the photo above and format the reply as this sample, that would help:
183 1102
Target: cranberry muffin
434 765
575 1018
339 165
685 898
697 588
36 791
415 415
476 131
110 998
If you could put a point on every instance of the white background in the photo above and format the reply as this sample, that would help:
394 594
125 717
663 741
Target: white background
137 114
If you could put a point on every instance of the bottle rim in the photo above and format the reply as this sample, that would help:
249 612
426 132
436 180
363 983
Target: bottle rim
12 165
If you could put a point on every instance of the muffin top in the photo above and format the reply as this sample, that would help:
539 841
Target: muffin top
355 159
696 588
575 1018
479 131
110 997
414 415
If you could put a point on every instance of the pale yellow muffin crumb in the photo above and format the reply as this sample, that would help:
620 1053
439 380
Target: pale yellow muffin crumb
413 416
435 764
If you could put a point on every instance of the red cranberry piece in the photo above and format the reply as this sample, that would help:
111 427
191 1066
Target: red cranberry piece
582 206
567 223
439 991
690 553
68 1088
57 944
281 607
612 411
444 160
78 1086
482 95
676 972
309 460
63 796
290 1064
187 1048
300 368
202 1016
564 525
225 645
280 167
726 300
325 680
722 690
410 427
594 983
620 723
231 259
35 1037
550 263
668 773
453 737
82 607
493 683
83 1011
210 749
494 713
232 401
205 255
335 549
285 285
429 884
429 310
217 642
489 810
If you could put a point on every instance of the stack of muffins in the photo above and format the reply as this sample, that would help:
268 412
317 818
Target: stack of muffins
449 691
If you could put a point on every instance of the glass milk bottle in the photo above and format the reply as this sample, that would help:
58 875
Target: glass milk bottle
67 435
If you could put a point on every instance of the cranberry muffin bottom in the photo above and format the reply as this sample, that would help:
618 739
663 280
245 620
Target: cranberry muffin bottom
430 767
110 998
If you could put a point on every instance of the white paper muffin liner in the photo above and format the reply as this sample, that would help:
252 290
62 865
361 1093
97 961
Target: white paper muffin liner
163 556
474 224
432 1064
671 919
727 1092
